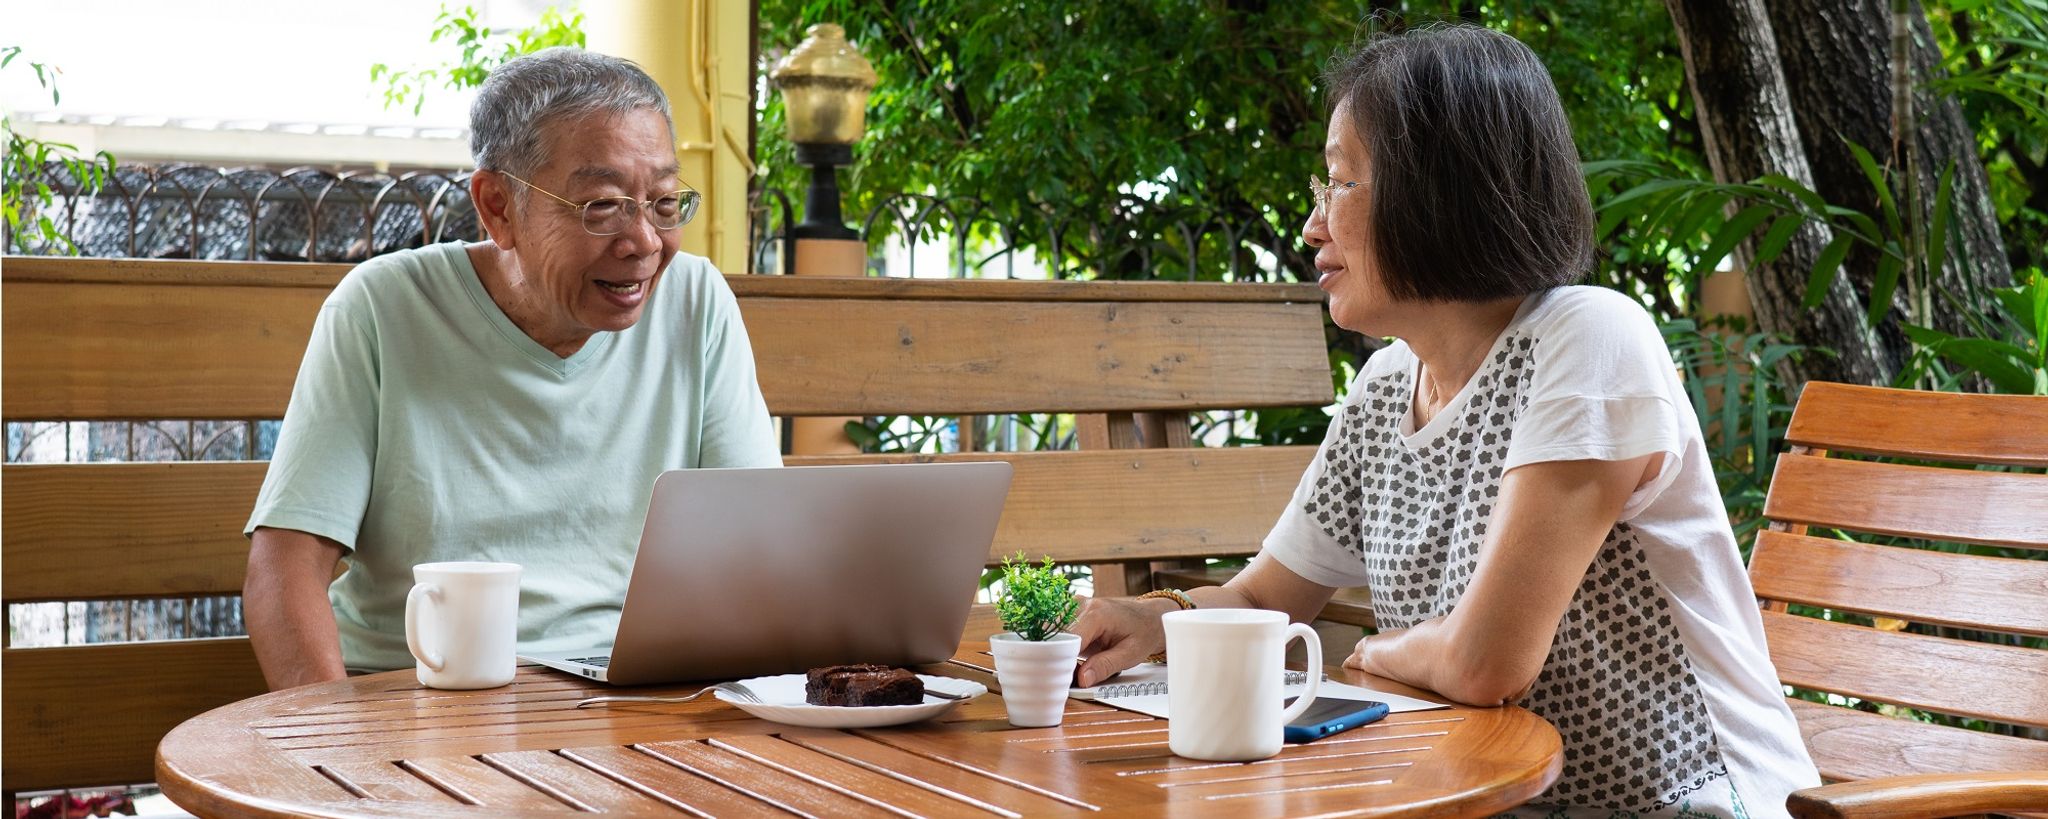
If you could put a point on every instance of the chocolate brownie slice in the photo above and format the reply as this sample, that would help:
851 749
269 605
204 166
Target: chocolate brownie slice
818 681
862 685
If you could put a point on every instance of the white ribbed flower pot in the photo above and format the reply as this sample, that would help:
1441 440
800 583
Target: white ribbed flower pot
1035 676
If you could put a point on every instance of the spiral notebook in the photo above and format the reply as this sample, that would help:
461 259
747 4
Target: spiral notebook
1143 689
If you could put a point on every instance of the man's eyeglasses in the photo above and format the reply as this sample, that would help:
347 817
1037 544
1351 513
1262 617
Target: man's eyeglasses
611 215
1321 192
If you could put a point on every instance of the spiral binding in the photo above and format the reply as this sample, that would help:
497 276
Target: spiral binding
1149 688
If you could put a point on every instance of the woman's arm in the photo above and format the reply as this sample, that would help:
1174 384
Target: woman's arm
1120 632
1550 521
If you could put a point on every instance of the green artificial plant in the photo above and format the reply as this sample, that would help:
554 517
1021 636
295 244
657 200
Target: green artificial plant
1036 602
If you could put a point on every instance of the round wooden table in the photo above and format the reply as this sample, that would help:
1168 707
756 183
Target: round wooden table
382 745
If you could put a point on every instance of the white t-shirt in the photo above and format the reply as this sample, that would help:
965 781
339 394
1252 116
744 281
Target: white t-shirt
1658 679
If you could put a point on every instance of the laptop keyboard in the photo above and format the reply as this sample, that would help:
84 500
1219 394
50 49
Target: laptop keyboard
601 662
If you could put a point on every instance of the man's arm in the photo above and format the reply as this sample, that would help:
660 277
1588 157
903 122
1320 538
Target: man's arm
284 603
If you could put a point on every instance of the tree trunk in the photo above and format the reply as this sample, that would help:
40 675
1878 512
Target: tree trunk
1840 80
1745 118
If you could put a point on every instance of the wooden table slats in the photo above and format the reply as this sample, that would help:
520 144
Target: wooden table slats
675 787
382 745
796 794
384 781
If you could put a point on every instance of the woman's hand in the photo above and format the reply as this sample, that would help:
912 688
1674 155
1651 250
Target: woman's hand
1362 660
1117 633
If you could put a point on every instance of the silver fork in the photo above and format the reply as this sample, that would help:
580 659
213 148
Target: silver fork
732 688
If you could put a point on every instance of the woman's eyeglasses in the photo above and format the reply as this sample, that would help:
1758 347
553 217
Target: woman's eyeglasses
1321 192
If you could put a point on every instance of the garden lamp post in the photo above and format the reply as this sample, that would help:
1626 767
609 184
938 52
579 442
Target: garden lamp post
825 84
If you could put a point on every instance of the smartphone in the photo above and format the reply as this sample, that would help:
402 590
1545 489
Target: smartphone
1332 714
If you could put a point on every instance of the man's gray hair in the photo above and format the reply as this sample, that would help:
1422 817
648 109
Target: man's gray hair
525 95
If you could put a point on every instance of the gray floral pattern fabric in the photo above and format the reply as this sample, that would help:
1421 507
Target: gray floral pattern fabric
1617 683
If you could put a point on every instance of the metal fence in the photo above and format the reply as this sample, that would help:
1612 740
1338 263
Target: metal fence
183 211
295 214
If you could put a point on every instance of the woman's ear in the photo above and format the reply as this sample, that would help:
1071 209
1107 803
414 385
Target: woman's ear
494 205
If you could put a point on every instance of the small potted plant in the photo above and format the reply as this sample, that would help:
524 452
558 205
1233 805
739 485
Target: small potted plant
1035 658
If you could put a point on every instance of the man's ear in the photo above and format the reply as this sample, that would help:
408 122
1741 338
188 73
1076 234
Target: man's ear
494 206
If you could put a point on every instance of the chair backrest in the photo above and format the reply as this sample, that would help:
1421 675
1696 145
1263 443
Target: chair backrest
1949 627
123 339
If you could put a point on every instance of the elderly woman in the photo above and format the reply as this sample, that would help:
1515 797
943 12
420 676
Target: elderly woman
1519 478
508 400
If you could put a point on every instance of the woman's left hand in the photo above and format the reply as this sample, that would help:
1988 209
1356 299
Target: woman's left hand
1361 659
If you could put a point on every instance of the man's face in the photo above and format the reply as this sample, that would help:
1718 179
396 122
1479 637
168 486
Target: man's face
586 283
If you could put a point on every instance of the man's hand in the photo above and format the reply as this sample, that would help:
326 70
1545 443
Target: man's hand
284 603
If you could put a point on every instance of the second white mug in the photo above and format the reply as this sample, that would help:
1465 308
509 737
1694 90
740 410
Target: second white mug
462 623
1223 682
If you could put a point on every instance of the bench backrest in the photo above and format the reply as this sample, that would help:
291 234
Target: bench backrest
1958 656
122 339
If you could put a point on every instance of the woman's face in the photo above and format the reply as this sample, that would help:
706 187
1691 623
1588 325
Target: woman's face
1339 230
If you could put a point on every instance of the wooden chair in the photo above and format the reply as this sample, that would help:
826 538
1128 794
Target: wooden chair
114 339
1888 766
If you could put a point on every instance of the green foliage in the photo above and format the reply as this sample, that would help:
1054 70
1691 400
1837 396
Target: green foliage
1036 602
1126 117
1080 115
26 199
2011 352
1684 212
1743 406
479 50
1996 56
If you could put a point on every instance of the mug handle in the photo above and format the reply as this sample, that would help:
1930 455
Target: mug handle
432 592
1315 672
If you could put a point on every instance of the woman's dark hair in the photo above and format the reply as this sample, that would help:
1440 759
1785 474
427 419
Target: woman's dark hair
1476 191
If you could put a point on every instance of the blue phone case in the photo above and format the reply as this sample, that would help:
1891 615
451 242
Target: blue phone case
1369 713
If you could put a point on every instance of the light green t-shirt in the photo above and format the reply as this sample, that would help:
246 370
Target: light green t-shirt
425 426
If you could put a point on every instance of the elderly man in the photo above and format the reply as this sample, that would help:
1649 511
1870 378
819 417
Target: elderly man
509 400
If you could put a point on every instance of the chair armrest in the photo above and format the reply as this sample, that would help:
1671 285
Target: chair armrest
1924 796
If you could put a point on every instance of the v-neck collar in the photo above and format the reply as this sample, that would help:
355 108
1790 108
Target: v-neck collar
1416 439
517 338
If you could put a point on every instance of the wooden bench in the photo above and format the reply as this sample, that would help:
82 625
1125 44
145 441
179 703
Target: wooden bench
105 339
1897 766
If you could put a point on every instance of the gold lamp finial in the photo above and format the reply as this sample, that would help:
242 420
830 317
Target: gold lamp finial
825 84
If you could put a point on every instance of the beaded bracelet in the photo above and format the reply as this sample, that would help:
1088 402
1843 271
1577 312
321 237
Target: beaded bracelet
1180 599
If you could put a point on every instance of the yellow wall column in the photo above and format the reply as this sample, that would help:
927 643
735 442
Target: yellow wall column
698 50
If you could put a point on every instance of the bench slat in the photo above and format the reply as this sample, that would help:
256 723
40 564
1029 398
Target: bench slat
106 530
1984 429
326 274
872 357
1910 501
1967 591
138 343
1993 682
1849 744
90 352
79 716
85 531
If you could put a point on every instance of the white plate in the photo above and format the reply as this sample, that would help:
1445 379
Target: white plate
783 701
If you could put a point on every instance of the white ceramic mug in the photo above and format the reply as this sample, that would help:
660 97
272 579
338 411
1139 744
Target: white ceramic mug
461 623
1223 682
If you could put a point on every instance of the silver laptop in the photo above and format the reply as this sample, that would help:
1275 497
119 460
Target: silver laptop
745 572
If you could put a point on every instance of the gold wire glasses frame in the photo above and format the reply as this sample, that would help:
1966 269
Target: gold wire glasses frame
610 215
1321 192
